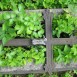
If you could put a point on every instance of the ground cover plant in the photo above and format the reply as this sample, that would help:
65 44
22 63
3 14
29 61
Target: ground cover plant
18 24
19 56
36 4
64 25
65 53
21 24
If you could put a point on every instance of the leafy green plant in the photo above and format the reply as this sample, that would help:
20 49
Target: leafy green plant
6 75
54 75
64 25
33 4
7 4
65 53
10 56
51 4
43 75
20 24
39 4
66 3
29 4
31 75
68 74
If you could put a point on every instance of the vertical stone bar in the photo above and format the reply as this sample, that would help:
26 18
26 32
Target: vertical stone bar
47 17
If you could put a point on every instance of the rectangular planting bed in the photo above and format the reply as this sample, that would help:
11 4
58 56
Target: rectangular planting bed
47 35
63 41
24 33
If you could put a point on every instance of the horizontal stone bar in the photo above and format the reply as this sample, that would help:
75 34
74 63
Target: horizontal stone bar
18 42
62 67
57 41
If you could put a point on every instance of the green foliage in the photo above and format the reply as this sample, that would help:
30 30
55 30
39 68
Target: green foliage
43 75
36 4
7 4
20 24
51 4
29 25
72 8
19 56
68 74
31 75
64 23
29 4
66 3
65 53
54 75
6 75
64 74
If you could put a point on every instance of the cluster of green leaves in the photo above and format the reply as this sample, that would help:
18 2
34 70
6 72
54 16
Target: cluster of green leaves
6 75
19 56
64 24
20 24
36 4
68 74
8 4
66 3
33 4
65 54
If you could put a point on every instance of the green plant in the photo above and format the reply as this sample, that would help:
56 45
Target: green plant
66 3
33 4
65 53
29 4
68 74
43 75
1 75
31 75
48 3
7 4
64 24
6 75
20 24
54 75
51 4
10 56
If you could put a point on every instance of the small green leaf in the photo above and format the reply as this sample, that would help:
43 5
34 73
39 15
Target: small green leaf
13 15
32 27
17 27
21 7
4 40
35 34
20 30
4 26
6 15
28 31
1 47
1 63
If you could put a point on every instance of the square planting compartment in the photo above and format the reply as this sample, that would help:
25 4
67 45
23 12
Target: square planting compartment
23 42
48 41
20 60
64 57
